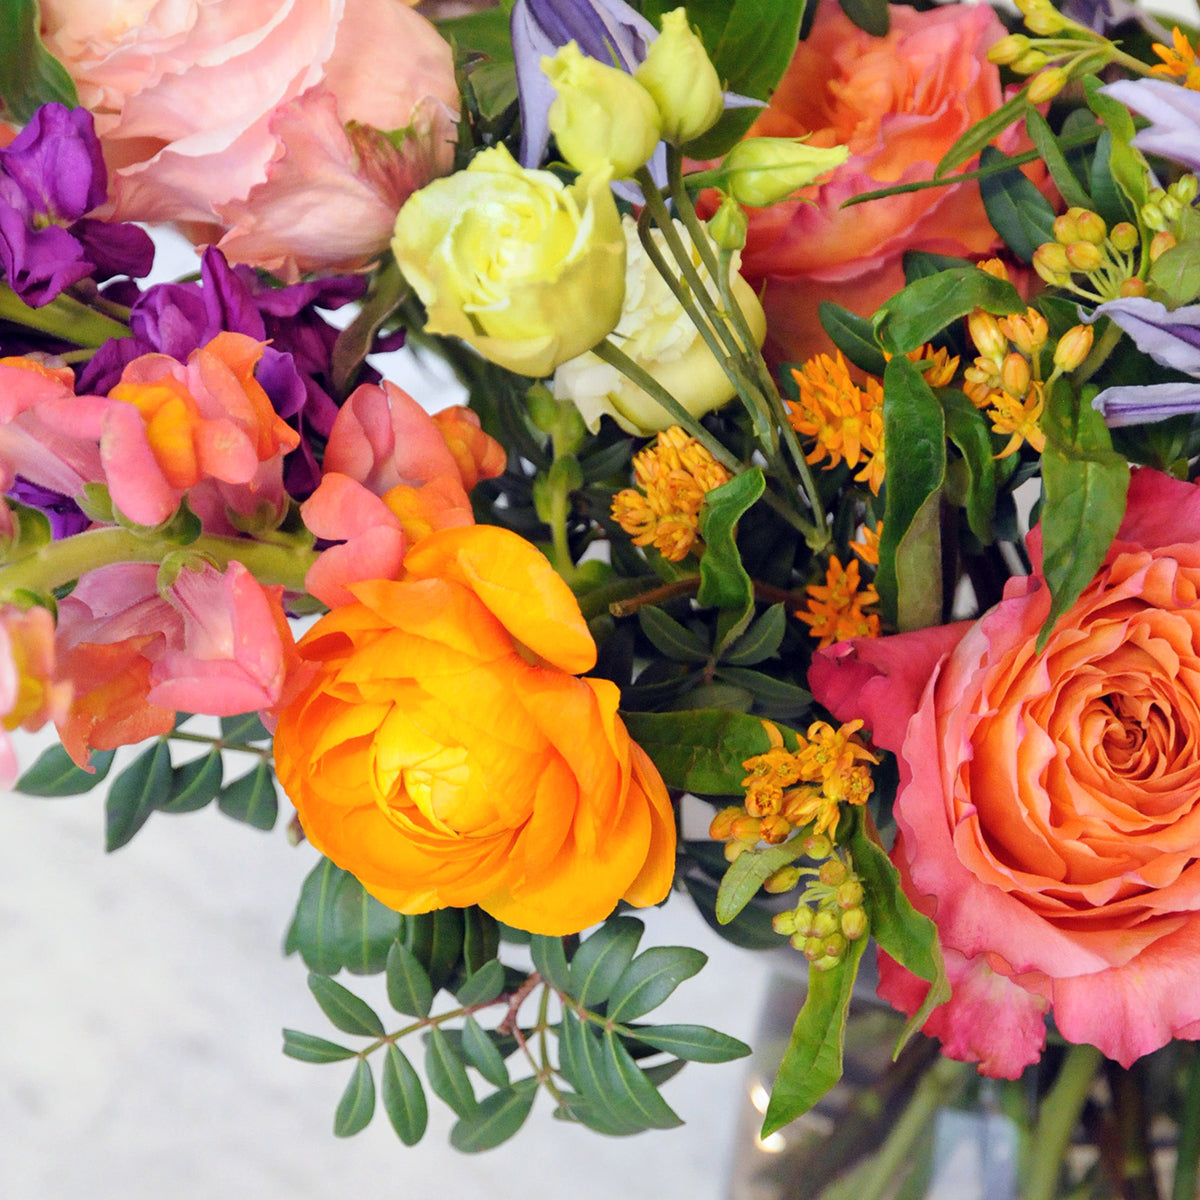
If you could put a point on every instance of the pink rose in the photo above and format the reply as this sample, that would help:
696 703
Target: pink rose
258 124
898 102
1049 806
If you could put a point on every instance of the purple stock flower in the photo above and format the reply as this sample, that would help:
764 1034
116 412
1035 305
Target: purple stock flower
65 516
1173 113
51 174
1171 337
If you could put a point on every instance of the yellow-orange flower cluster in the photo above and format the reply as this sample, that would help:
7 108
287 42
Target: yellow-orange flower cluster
1178 60
845 421
445 752
835 608
1003 380
673 476
789 789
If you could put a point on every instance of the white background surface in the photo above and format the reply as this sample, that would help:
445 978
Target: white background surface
142 996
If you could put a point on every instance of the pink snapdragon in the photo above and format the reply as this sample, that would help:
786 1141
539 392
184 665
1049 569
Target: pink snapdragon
32 691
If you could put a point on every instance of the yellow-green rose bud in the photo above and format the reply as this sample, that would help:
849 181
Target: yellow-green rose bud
524 268
601 115
728 225
680 76
659 336
760 172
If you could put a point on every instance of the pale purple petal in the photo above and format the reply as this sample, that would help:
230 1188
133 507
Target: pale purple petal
1169 336
1173 113
1140 405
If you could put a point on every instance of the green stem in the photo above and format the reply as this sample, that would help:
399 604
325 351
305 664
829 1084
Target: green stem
64 317
1059 1112
58 563
1104 345
1187 1164
217 743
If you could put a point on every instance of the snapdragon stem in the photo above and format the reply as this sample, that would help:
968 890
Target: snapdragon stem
64 317
58 563
1187 1164
1060 1110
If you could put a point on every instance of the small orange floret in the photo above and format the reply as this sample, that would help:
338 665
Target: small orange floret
835 608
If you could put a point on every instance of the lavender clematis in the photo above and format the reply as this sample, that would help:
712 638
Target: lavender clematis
1174 115
1171 337
51 174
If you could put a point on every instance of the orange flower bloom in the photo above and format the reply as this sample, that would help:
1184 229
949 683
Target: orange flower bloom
1178 60
835 608
447 755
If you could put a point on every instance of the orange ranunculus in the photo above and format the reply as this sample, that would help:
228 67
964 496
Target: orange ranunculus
447 755
898 103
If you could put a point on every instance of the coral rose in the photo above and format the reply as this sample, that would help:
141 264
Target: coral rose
446 754
259 124
1049 805
898 103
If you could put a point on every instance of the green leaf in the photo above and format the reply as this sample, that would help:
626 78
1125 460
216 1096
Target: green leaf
408 987
1047 146
899 929
581 1061
245 727
550 959
747 873
307 1047
447 1075
915 436
750 929
353 343
403 1096
629 1088
357 1105
776 695
761 641
30 75
482 1054
346 1010
55 773
436 938
601 957
981 133
1084 483
363 928
723 580
1019 213
853 335
812 1062
495 1119
696 1043
650 979
194 784
920 311
1125 163
252 799
1176 274
483 986
1111 202
967 428
313 931
136 793
481 938
671 639
871 16
702 750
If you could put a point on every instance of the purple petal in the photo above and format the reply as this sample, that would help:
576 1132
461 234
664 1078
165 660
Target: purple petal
65 516
56 161
115 248
1169 336
38 264
1174 115
1150 402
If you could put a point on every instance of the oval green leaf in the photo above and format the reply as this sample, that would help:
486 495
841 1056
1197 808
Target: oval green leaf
447 1075
403 1097
195 784
651 978
696 1043
135 794
346 1010
307 1047
357 1105
602 957
55 773
408 987
495 1119
482 1054
252 799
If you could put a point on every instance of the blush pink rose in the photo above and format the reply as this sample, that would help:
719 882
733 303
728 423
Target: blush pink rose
223 115
1049 806
898 102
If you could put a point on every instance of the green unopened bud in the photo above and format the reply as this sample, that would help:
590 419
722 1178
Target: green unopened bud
601 115
762 171
784 922
1185 189
1041 17
826 963
1047 85
825 922
855 924
1160 244
1030 62
1008 49
1090 226
1124 236
1073 347
543 407
1050 262
680 76
832 872
812 948
835 944
782 880
818 846
850 894
1084 256
728 225
1152 216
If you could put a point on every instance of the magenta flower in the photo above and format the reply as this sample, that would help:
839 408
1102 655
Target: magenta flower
51 174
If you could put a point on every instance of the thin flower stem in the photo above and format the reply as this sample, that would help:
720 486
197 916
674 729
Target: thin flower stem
1059 1112
218 743
545 1072
656 595
1104 345
1187 1164
64 317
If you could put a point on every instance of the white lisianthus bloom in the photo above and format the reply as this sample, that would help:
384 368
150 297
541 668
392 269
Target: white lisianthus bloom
658 335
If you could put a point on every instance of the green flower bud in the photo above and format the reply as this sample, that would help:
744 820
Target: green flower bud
782 880
832 872
850 894
1047 85
1124 236
680 76
784 922
824 923
760 172
1185 189
601 115
1008 49
818 846
854 924
728 225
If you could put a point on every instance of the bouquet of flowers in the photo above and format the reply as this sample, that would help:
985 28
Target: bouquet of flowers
818 540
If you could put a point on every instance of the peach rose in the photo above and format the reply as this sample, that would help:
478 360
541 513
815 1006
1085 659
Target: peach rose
898 102
256 123
446 754
1049 806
